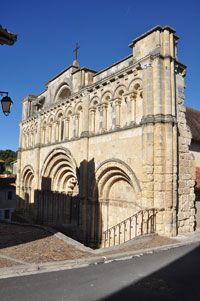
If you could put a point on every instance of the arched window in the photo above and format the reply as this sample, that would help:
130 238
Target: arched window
62 93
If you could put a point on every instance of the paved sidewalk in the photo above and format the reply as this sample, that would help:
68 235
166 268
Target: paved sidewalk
31 249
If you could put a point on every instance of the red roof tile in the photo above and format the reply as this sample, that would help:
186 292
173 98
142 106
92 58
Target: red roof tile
193 120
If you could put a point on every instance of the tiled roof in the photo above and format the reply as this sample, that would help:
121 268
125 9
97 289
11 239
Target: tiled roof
193 121
7 176
7 37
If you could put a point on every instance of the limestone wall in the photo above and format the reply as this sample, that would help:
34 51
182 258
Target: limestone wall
186 163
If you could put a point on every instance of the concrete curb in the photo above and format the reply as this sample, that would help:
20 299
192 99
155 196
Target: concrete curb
23 270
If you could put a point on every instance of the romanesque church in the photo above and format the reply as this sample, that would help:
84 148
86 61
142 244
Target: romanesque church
105 155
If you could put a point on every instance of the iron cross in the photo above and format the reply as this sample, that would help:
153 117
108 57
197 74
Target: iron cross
76 49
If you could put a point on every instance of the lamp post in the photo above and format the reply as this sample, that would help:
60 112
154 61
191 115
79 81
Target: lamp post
6 103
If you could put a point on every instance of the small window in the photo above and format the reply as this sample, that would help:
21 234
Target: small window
7 214
10 195
62 130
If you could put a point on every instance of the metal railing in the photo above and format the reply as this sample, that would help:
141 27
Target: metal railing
142 222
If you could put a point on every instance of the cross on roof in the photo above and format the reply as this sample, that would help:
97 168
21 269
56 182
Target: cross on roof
76 49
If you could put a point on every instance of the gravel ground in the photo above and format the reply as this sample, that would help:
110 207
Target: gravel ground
33 245
155 241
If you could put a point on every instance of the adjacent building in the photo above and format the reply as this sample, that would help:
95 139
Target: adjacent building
7 196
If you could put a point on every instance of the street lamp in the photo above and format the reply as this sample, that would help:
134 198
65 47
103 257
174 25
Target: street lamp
6 103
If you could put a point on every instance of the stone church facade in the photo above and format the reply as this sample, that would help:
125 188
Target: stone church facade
97 148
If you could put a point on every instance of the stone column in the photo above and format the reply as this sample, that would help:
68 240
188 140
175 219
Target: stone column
172 52
66 131
50 133
104 117
85 115
100 109
20 136
128 109
158 86
38 135
92 120
168 90
73 126
77 125
83 189
133 107
112 104
37 154
117 112
54 132
57 131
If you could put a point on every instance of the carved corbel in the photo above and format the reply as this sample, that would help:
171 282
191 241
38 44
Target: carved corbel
146 64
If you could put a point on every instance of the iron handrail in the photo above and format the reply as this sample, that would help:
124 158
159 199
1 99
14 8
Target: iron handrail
151 217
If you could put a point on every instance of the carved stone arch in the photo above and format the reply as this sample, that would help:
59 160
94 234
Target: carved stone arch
135 87
106 96
28 184
115 188
119 91
44 121
95 100
50 119
62 92
58 165
51 154
94 114
44 131
135 84
120 105
50 125
68 122
25 169
78 107
59 113
116 165
68 111
78 115
32 135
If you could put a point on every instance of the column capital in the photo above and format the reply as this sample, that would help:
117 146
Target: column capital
92 109
118 101
104 105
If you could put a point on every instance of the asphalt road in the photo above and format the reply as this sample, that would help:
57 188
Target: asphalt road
167 275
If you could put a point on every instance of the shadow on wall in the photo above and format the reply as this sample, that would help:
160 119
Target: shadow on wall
75 211
14 235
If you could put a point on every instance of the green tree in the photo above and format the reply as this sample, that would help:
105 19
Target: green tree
8 156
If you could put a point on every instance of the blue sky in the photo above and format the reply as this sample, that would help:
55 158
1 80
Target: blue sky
48 31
